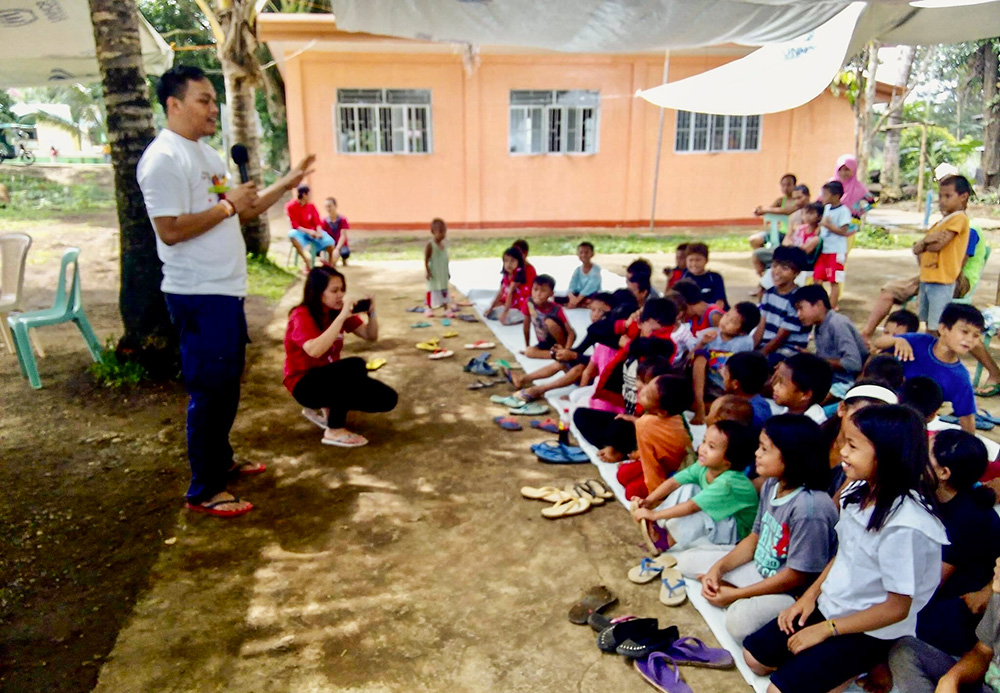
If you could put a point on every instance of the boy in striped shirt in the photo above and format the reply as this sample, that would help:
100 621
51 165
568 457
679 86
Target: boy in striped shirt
780 334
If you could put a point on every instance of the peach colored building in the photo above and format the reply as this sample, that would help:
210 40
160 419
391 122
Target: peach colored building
406 131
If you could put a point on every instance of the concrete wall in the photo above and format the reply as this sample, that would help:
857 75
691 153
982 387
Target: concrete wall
471 179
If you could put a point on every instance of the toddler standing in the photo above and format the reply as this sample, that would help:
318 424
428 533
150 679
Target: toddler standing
436 266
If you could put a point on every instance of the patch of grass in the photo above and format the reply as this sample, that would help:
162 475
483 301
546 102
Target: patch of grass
412 247
266 278
36 198
878 238
115 373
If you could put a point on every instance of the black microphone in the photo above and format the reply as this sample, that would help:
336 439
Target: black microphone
240 158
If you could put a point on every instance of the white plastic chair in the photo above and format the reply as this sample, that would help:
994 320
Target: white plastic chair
13 258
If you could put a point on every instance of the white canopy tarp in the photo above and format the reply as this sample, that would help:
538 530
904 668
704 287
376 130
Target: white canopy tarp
622 26
803 67
45 42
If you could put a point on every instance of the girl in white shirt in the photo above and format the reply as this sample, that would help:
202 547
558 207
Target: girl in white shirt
887 566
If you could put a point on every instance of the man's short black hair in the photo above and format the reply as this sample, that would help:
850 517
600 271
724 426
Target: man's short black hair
689 291
586 244
923 394
810 373
811 293
174 81
791 257
749 315
750 369
546 280
661 310
302 191
960 183
835 187
953 312
906 319
639 267
885 368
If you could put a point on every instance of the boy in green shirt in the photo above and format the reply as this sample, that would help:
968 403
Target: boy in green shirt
712 499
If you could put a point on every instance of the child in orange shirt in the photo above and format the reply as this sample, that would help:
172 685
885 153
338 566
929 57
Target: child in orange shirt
660 433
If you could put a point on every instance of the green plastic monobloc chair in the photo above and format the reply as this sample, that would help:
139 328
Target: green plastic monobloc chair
68 307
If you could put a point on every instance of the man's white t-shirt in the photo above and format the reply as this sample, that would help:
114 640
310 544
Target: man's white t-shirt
178 176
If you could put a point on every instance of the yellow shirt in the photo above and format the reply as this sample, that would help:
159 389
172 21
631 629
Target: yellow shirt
944 266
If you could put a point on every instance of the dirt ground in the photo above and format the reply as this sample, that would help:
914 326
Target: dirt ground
410 564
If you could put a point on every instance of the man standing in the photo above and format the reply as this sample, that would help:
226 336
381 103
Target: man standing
197 221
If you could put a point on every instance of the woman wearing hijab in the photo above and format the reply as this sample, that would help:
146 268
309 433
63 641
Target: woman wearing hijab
856 195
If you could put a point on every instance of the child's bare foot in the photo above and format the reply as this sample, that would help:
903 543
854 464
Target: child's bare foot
533 392
609 454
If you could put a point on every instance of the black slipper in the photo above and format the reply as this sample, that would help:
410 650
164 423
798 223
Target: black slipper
642 645
610 638
596 599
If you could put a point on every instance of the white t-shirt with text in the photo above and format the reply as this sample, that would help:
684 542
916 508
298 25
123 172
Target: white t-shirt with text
178 176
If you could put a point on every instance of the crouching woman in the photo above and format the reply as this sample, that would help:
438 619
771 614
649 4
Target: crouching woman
326 385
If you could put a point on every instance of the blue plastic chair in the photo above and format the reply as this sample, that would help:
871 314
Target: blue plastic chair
68 307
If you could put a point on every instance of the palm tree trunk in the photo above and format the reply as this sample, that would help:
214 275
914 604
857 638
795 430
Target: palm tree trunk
241 72
991 115
149 336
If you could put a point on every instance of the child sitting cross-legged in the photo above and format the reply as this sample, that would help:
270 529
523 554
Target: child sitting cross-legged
792 538
586 279
837 339
647 336
744 375
552 328
711 284
887 564
572 362
714 347
660 434
959 330
780 333
800 384
712 500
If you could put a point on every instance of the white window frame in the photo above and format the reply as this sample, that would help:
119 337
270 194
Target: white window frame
408 112
562 112
710 129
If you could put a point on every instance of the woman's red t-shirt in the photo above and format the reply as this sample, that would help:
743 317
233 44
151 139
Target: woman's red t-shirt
302 328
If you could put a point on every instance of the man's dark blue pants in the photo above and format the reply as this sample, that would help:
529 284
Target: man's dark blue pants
213 339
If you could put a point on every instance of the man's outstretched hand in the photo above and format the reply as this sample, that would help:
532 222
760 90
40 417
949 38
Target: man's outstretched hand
304 168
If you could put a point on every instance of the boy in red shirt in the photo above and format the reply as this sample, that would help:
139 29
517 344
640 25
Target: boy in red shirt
305 221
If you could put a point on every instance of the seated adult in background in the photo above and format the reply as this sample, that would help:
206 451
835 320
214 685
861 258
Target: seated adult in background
305 221
792 205
336 227
314 372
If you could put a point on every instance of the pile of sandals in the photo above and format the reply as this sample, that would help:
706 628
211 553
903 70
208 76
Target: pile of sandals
656 653
575 498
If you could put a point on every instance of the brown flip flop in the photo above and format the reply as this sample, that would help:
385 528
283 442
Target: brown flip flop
597 598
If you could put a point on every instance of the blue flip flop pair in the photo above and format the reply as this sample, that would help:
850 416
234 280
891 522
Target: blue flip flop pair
554 452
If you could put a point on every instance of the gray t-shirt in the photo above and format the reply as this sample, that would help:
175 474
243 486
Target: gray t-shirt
988 632
796 530
838 338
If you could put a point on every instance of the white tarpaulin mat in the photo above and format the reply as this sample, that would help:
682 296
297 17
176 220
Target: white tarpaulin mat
750 86
626 26
46 42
